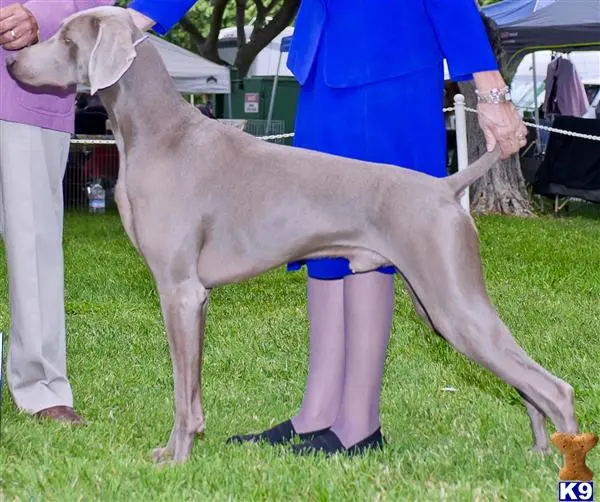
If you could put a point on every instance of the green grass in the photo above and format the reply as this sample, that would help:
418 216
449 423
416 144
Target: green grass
472 445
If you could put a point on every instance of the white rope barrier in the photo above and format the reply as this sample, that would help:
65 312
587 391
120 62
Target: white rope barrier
277 136
462 149
93 142
459 109
83 141
541 127
472 110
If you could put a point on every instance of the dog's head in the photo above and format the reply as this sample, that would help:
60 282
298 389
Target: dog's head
93 47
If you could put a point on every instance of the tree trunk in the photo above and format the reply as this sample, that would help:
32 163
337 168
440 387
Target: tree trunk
502 190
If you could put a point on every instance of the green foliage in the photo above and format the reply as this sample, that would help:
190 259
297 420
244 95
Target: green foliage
201 14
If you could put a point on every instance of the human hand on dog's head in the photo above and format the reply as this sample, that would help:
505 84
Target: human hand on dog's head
18 27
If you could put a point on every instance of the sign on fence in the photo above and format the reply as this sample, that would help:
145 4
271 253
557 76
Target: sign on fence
251 102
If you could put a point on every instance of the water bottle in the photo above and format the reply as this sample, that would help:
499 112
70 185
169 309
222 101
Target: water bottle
96 197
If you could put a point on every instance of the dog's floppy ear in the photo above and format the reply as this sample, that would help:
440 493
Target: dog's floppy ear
112 55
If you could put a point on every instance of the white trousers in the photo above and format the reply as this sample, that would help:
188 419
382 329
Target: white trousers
32 166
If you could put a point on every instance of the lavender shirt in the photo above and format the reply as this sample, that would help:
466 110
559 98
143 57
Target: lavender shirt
47 108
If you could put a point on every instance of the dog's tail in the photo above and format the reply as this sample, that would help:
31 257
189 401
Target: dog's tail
462 179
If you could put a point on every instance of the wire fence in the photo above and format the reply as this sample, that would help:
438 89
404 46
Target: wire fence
91 161
93 165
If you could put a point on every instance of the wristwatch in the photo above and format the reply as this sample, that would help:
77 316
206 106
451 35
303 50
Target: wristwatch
494 96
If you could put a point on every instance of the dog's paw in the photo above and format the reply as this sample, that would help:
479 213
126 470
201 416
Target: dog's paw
541 449
161 455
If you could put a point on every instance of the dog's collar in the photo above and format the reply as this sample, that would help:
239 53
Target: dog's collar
140 40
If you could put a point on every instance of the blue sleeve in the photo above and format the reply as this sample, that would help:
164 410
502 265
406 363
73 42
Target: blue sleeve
165 13
462 37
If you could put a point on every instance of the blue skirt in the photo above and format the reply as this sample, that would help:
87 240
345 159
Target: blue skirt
397 121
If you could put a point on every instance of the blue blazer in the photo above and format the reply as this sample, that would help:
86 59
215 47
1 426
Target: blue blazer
365 41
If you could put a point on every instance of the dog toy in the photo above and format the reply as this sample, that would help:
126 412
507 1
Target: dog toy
574 448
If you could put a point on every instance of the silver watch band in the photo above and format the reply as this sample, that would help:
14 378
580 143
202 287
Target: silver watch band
494 96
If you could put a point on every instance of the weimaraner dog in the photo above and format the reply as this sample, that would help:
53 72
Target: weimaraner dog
207 205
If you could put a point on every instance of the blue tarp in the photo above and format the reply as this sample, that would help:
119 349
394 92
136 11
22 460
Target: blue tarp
560 24
511 11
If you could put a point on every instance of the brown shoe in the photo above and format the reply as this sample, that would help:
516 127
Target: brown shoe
60 414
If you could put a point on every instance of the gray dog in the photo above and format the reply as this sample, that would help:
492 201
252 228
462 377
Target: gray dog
207 205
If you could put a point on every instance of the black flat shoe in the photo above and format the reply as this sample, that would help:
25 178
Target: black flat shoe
329 444
280 434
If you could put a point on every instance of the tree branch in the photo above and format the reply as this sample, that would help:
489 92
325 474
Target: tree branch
188 25
269 7
216 22
261 15
209 48
261 37
240 21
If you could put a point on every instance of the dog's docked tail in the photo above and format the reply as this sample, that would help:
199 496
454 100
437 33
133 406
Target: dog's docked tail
462 179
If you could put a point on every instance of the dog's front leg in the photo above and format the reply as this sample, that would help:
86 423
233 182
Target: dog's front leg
184 310
124 207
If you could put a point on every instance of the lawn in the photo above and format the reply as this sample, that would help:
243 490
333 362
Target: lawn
543 275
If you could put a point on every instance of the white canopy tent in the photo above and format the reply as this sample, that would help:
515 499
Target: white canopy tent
191 73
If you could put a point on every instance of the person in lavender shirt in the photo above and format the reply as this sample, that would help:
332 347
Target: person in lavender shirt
35 127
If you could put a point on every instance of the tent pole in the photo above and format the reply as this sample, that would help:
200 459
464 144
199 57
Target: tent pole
538 143
273 91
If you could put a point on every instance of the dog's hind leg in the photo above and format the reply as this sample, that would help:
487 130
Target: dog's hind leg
184 308
449 284
538 426
420 310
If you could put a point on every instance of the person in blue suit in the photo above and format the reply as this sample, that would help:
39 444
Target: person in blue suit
372 77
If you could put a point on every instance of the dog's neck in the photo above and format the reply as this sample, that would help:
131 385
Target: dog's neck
144 102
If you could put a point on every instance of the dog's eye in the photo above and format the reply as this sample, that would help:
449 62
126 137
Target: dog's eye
67 41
